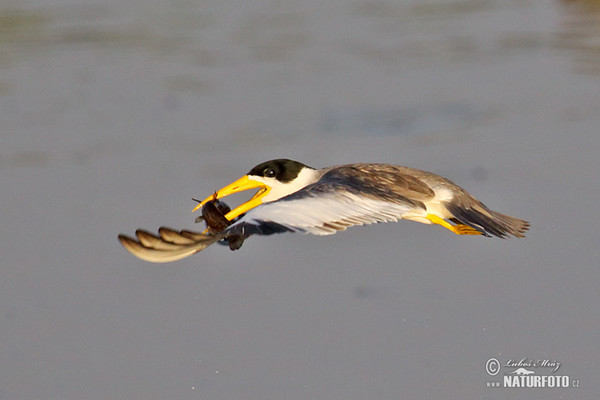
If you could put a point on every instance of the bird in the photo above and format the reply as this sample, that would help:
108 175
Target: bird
293 197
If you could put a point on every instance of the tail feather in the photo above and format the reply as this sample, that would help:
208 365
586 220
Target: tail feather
488 222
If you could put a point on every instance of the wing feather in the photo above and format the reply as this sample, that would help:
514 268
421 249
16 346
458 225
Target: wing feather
173 236
384 181
149 240
324 212
170 246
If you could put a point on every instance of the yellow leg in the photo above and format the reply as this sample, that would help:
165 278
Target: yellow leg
459 229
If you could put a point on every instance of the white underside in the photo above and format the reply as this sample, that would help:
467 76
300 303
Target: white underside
327 214
434 206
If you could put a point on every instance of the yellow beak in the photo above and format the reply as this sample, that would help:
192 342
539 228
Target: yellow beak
244 183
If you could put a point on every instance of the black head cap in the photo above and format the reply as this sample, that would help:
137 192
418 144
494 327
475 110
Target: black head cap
282 169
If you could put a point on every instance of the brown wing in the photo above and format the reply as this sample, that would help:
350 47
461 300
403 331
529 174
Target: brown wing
384 181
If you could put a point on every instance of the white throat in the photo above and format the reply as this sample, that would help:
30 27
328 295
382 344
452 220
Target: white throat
279 189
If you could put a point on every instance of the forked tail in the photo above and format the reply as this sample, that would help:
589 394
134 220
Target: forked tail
488 222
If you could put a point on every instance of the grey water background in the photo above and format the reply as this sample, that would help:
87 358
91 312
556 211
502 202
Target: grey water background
114 114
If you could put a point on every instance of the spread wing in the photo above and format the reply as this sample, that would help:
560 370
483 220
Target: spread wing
170 245
328 206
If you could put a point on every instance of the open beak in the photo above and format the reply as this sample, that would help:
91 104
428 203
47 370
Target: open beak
244 183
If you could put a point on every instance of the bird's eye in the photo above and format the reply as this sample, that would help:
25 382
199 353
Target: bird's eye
269 172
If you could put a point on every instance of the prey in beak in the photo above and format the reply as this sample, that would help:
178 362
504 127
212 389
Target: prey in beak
242 184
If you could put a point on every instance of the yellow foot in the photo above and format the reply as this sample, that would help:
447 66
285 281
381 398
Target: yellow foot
459 229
